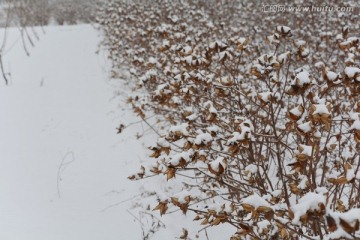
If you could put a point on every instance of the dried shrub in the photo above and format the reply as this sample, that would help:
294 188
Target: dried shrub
259 120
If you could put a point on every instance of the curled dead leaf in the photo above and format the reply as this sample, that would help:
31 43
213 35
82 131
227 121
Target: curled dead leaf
162 207
247 207
170 173
331 223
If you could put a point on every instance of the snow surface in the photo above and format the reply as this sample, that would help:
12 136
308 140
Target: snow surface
256 201
64 170
310 201
321 109
331 75
351 71
302 78
58 109
305 127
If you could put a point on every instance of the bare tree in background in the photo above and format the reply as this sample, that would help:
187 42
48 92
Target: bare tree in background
23 15
26 14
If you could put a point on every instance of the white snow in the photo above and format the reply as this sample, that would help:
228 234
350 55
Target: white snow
283 29
188 59
241 40
265 96
305 127
152 60
319 64
302 184
349 41
215 164
162 142
182 128
296 111
236 136
302 78
321 109
175 159
282 58
351 216
355 125
350 72
263 224
252 168
350 174
310 201
225 54
299 43
217 43
192 117
331 75
214 129
256 201
203 138
186 50
58 109
305 149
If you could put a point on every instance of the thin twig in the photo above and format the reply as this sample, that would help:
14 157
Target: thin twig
61 168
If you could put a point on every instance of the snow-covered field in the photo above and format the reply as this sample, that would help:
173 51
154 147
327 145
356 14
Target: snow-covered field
63 168
61 163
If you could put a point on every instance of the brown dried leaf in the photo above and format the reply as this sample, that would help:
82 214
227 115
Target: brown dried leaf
357 225
245 227
213 171
247 207
284 234
263 209
346 226
331 223
294 116
205 221
304 218
156 153
170 173
269 215
291 213
254 215
340 180
184 234
162 207
216 221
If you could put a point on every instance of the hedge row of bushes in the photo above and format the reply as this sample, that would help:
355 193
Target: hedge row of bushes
260 112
